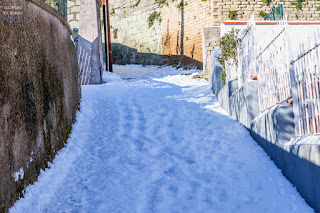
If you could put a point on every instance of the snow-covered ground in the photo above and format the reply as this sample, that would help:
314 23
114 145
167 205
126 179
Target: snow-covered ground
159 145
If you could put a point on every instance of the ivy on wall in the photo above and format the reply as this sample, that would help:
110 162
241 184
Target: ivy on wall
232 15
157 15
228 44
153 17
298 4
262 14
162 3
266 2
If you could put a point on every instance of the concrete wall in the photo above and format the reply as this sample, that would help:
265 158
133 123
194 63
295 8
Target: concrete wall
84 18
274 131
241 103
90 42
276 125
216 71
301 165
299 161
226 93
244 103
39 93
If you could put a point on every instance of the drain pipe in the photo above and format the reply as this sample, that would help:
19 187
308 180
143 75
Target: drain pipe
107 36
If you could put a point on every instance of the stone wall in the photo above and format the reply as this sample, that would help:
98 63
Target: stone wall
210 37
39 93
177 38
245 8
73 16
132 40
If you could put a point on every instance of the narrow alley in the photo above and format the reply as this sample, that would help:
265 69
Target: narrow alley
159 145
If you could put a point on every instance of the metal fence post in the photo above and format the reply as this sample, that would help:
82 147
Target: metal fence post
294 96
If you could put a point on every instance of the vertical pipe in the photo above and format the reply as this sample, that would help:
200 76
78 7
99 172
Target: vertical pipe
105 34
109 37
273 13
204 52
182 27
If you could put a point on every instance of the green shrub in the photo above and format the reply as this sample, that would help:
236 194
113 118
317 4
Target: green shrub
262 14
180 5
298 4
266 2
232 15
162 3
228 44
153 17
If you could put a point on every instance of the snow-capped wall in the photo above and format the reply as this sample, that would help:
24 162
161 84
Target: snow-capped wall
39 92
273 130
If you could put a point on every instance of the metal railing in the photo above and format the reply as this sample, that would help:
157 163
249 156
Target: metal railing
85 70
273 67
230 70
275 14
246 53
305 80
280 77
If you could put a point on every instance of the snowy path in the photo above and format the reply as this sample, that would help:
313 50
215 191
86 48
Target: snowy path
159 146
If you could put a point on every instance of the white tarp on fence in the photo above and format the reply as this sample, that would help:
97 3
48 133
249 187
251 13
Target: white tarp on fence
268 59
247 54
305 78
273 67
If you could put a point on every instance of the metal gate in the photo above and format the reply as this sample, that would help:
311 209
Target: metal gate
275 15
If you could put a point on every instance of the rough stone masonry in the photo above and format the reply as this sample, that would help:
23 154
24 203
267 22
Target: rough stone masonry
39 93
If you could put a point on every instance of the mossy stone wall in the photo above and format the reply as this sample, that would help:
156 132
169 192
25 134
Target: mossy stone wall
39 93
